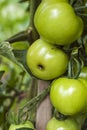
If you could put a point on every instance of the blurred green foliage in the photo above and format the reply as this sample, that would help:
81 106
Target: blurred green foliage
13 17
15 82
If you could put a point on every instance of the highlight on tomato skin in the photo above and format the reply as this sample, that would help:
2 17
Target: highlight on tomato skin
44 58
42 65
53 26
68 96
67 124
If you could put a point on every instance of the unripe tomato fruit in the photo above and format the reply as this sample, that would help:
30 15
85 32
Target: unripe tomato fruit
67 124
27 124
57 23
68 96
46 61
84 81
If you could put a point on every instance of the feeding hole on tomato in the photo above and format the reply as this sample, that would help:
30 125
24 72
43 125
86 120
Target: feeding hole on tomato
41 67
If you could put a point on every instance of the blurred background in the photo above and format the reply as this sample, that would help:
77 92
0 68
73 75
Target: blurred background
15 82
14 17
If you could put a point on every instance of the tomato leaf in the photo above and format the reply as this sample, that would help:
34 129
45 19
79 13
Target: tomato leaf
6 50
21 57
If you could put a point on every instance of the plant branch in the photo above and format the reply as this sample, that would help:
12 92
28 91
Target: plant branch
31 104
33 6
80 8
21 36
44 109
30 34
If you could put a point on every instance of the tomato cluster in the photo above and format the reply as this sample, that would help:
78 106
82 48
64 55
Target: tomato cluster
58 26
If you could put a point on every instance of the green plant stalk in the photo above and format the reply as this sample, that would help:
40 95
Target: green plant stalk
33 6
32 103
44 109
72 63
80 8
32 93
30 34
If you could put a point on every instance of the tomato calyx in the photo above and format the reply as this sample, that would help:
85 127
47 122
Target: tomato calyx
60 116
81 8
75 63
72 63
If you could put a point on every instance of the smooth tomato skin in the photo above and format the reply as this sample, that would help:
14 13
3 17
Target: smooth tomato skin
84 81
83 77
68 96
46 61
28 124
58 23
68 124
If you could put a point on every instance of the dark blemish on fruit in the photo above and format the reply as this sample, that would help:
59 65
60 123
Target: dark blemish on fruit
41 67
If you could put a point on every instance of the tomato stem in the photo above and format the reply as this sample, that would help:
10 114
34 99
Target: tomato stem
74 67
33 7
60 116
32 103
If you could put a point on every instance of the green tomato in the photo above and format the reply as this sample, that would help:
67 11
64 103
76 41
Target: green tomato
68 96
68 124
84 81
57 23
46 61
27 124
